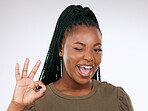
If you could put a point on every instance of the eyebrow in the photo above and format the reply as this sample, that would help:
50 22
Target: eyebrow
85 45
80 43
97 44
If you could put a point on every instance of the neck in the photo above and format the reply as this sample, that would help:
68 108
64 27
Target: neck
70 87
73 88
71 84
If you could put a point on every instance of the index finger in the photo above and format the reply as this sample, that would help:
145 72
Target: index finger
34 70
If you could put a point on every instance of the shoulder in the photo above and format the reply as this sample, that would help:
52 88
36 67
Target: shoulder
124 100
104 84
115 95
110 89
106 88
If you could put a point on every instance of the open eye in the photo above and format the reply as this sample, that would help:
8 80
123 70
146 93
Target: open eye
78 49
97 50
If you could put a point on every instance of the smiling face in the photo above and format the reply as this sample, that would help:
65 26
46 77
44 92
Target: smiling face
81 53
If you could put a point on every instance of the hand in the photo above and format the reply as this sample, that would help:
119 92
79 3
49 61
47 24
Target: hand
24 93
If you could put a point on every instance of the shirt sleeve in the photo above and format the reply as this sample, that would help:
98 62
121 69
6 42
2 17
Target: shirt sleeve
30 107
125 103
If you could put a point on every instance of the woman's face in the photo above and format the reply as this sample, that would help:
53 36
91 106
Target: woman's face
81 52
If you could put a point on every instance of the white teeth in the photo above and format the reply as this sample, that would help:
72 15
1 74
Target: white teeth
86 67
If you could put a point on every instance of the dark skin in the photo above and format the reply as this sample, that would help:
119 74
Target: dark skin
24 92
81 46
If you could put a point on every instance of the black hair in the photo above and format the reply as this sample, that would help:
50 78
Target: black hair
72 15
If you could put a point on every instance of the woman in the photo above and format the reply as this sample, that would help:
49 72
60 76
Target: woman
68 81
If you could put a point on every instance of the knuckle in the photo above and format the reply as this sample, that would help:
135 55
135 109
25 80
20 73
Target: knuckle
33 72
24 70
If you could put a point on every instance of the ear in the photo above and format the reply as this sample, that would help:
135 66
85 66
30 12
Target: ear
61 50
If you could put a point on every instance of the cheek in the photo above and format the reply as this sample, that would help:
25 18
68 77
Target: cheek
70 58
98 59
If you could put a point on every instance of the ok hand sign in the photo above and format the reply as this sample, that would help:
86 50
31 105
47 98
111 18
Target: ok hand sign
24 93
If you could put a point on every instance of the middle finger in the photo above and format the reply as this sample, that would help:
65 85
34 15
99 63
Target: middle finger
25 68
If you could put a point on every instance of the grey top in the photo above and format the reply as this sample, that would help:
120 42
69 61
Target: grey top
103 97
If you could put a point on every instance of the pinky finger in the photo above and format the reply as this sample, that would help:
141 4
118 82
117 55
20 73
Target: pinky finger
17 73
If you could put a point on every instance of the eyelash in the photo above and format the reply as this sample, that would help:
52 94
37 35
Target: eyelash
96 50
78 49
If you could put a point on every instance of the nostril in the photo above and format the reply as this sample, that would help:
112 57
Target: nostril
89 58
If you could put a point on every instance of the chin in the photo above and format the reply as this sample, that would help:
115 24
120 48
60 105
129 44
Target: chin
83 81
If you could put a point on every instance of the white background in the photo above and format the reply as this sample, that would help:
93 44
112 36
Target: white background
26 28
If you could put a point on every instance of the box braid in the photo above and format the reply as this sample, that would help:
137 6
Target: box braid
73 15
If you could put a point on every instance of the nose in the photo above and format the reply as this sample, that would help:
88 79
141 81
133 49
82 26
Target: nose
88 57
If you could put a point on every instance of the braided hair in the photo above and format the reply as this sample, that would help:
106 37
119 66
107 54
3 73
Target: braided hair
73 15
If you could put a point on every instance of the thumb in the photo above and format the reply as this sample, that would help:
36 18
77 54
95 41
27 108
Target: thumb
39 93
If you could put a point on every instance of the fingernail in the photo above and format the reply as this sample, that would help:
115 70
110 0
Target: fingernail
27 59
16 65
38 62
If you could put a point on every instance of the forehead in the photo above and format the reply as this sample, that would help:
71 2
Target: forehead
82 33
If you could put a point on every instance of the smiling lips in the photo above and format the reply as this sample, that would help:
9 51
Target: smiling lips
85 71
